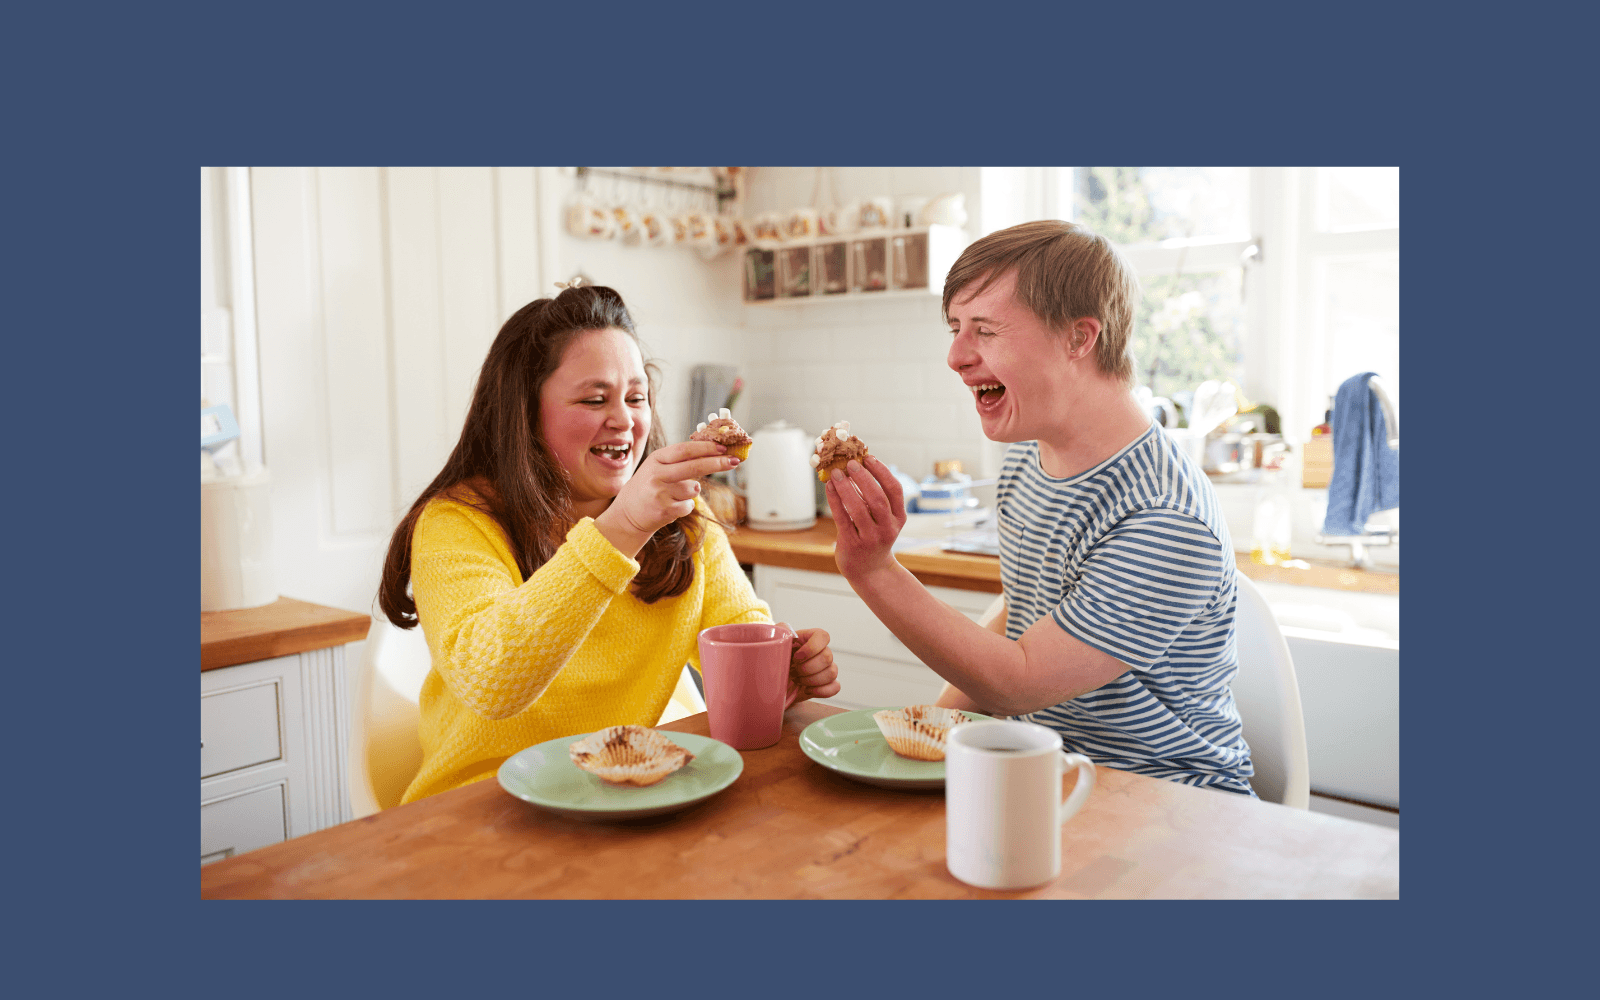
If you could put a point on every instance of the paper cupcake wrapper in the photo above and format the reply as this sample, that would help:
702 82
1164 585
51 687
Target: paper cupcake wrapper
628 755
918 731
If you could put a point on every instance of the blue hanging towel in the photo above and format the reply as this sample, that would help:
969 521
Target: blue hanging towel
1366 471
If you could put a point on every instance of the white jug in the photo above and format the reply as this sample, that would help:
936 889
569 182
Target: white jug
777 481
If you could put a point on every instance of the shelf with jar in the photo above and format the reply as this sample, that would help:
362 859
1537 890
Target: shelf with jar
880 263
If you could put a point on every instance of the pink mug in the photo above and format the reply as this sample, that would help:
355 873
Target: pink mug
746 674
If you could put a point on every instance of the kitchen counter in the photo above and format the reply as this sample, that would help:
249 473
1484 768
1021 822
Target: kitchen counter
282 628
812 549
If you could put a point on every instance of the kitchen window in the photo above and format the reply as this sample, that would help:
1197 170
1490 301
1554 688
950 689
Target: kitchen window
1284 280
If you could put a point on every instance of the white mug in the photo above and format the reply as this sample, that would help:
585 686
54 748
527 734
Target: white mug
1002 802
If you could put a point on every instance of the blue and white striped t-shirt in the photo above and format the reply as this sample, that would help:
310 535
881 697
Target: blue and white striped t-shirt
1133 558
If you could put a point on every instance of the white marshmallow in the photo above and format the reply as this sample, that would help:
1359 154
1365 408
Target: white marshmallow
710 417
725 413
815 460
701 427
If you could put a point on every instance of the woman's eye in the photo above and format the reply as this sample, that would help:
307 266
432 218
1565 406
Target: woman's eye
637 400
594 402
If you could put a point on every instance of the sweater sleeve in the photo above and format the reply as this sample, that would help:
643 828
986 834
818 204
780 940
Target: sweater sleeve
497 644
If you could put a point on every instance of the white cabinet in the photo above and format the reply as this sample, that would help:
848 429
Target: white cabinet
875 668
273 739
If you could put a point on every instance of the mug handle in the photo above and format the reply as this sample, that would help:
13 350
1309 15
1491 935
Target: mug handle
793 690
1080 791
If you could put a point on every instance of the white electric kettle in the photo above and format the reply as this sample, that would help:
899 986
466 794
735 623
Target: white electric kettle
777 480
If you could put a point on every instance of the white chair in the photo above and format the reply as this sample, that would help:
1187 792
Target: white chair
1268 697
385 751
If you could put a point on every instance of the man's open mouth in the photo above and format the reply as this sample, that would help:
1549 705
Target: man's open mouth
988 393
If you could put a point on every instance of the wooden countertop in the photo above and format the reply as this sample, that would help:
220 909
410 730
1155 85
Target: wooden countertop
789 829
1324 573
278 629
813 549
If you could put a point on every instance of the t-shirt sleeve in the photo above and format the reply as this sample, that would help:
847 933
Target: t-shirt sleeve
1143 583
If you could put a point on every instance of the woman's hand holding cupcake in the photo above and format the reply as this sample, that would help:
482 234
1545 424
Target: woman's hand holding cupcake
660 491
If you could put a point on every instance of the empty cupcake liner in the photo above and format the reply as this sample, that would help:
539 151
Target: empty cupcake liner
628 755
918 731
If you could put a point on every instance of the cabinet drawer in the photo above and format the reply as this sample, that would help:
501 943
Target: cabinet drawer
871 682
242 823
240 727
851 625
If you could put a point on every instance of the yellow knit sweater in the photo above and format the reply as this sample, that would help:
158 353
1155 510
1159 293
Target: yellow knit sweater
568 651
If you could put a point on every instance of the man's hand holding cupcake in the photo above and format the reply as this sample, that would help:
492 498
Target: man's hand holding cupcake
866 500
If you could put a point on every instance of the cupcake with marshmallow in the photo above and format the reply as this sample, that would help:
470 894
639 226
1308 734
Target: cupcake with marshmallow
835 448
724 430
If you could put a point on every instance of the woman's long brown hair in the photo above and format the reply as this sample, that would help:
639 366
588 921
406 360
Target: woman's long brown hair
502 466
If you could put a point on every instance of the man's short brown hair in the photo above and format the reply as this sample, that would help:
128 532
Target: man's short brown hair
1064 273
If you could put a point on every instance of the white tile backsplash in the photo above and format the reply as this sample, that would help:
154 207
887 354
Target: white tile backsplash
879 363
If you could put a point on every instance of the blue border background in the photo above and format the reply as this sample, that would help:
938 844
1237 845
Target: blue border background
116 110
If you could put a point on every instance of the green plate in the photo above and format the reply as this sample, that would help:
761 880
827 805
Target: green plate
547 777
852 745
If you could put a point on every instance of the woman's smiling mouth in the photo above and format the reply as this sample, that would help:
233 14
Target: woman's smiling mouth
614 455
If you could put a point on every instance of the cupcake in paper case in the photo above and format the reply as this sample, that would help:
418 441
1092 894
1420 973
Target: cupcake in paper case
724 430
836 447
628 755
918 731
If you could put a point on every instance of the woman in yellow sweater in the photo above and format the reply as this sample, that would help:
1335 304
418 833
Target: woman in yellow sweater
563 563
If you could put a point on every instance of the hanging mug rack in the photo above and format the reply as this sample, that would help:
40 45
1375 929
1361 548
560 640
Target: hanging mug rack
640 206
654 190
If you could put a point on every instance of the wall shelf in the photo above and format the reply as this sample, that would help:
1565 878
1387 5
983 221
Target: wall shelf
859 267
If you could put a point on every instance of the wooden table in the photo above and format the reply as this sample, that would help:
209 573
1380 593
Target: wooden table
788 829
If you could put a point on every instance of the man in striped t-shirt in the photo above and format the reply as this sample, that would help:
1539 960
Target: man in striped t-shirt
1117 566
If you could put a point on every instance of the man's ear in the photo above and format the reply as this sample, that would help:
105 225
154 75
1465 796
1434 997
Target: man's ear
1085 333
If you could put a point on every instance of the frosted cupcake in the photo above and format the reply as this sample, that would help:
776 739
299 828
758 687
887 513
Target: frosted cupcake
723 429
836 447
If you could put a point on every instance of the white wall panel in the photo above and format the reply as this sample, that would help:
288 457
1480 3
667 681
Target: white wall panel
354 342
518 217
288 315
423 434
469 279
